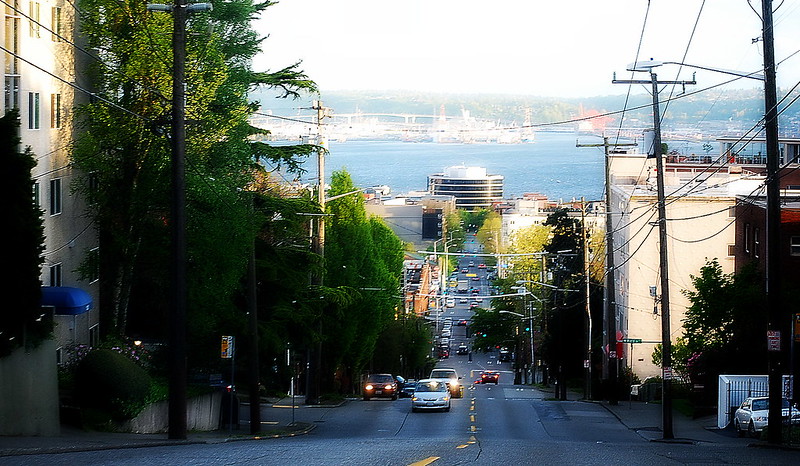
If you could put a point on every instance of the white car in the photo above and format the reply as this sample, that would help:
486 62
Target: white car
752 416
450 377
451 302
430 394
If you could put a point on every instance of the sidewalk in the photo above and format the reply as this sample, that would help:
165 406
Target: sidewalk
646 420
73 439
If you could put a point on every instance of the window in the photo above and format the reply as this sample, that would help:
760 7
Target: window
55 274
55 26
55 110
37 194
747 238
33 14
794 246
33 110
732 211
55 196
11 43
94 335
756 241
731 250
93 265
59 355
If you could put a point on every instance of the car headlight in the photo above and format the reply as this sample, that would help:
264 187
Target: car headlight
454 384
413 398
388 387
368 387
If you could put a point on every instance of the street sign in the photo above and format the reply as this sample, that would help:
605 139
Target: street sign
226 348
631 340
667 373
773 340
612 355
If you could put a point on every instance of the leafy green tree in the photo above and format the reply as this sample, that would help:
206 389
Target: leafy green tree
492 328
489 233
565 304
124 147
525 241
362 255
721 325
21 323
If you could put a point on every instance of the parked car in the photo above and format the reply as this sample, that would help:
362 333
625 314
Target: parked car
450 377
430 394
490 377
753 415
380 386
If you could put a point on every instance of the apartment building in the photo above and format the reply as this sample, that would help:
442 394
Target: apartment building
40 69
701 225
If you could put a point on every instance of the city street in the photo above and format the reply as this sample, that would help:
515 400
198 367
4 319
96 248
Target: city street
491 424
498 423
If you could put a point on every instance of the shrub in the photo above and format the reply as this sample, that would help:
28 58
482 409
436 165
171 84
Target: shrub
108 381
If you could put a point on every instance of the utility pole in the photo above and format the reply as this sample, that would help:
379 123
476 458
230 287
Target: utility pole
315 359
773 279
177 316
611 362
177 322
666 340
588 389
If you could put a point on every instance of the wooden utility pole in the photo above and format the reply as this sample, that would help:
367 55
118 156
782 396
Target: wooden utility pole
666 340
177 320
611 362
315 359
773 279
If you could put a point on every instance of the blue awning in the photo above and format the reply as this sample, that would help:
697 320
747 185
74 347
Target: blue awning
66 300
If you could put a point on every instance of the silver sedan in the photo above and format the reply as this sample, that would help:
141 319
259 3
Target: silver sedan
430 394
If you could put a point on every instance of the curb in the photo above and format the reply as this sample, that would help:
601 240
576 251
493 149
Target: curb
304 428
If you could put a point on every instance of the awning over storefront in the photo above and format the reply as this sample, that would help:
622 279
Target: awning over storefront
66 300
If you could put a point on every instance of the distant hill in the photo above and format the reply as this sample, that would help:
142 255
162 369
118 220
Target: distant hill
746 107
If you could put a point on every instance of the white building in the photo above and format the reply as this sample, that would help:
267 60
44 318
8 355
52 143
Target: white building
39 63
700 227
472 187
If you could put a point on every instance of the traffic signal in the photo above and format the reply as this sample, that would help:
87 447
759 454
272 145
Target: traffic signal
527 329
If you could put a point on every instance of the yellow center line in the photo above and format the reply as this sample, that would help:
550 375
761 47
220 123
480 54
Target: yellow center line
426 461
472 428
471 418
462 446
285 406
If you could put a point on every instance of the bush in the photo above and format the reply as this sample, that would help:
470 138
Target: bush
109 382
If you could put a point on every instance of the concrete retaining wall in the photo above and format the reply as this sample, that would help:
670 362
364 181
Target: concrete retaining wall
202 414
29 392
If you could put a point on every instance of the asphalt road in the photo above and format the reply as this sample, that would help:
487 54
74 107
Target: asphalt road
499 424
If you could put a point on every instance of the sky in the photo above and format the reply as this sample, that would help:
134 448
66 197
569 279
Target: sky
563 48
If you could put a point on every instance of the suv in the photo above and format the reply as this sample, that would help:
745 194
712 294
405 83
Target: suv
380 385
450 377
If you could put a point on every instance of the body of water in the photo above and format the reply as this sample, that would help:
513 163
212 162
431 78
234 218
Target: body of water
552 166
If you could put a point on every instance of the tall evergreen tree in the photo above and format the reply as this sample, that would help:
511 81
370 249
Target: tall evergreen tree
22 323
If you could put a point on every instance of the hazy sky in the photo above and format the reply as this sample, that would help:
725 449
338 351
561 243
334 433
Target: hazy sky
566 48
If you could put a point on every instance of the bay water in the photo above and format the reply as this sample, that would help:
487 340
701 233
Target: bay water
552 165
